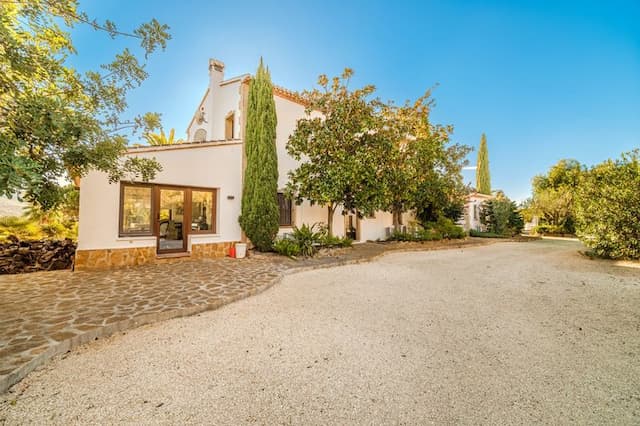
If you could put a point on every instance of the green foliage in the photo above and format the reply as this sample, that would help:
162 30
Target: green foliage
483 177
38 223
443 228
501 216
162 139
607 207
260 211
548 230
21 227
332 241
306 241
480 234
56 123
286 247
553 196
340 153
449 230
421 167
307 238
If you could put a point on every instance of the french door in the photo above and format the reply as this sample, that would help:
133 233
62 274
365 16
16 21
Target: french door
171 223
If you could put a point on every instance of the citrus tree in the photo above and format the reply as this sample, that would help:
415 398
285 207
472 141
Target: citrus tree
340 150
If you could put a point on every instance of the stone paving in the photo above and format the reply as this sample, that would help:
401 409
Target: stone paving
44 314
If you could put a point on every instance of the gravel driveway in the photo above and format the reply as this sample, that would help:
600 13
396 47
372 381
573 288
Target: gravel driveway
506 333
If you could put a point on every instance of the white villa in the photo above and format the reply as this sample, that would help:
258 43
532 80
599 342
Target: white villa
472 208
192 206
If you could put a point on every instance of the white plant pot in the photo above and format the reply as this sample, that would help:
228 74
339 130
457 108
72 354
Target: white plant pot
241 250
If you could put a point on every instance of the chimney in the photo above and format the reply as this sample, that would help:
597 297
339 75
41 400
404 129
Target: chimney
216 72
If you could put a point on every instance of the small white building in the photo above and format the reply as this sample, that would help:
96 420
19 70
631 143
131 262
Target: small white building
192 206
472 210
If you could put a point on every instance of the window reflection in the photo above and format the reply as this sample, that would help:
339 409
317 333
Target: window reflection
136 210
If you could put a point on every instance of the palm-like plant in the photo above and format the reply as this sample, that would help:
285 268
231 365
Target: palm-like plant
162 139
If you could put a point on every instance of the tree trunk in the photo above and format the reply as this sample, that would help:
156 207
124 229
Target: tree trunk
330 210
397 219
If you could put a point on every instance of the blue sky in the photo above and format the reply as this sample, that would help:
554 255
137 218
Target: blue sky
543 80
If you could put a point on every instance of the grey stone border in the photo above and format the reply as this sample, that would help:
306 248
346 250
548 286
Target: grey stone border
64 346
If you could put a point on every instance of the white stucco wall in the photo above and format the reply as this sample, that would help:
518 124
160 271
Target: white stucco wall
472 208
204 166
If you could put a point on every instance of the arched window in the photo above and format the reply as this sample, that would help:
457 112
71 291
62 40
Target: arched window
200 135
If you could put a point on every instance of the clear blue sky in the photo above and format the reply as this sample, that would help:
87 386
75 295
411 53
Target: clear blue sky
544 80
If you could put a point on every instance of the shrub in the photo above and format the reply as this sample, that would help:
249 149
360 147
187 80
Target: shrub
449 230
428 234
286 247
26 228
545 229
401 236
307 238
501 216
333 241
608 205
306 241
432 231
481 234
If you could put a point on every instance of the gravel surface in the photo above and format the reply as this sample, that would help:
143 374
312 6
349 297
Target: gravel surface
506 333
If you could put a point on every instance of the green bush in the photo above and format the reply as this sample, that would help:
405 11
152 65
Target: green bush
306 241
286 247
608 208
26 228
481 234
307 238
428 234
545 229
501 216
448 229
401 236
443 228
333 241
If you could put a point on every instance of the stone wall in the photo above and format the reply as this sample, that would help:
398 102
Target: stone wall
213 250
113 258
109 258
40 255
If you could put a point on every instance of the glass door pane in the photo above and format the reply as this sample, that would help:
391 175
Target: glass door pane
171 235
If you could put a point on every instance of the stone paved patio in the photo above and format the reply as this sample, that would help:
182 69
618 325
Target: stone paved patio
47 313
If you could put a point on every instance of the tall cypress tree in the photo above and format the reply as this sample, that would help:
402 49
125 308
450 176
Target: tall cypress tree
260 213
483 178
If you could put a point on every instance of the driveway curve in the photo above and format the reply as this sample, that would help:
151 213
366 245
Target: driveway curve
505 333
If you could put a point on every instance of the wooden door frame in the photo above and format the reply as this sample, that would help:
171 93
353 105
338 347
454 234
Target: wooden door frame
357 225
186 213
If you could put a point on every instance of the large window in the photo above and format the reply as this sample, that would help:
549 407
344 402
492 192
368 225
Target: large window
202 212
135 213
285 209
147 209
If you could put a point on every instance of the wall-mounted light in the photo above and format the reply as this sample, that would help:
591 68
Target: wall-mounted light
230 197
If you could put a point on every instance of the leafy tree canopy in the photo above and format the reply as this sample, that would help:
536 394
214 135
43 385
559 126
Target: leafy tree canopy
340 149
162 138
607 207
56 123
553 195
422 167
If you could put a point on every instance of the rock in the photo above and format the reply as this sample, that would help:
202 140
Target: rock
41 255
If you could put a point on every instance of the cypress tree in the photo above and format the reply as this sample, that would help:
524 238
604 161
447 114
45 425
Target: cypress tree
260 213
483 178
